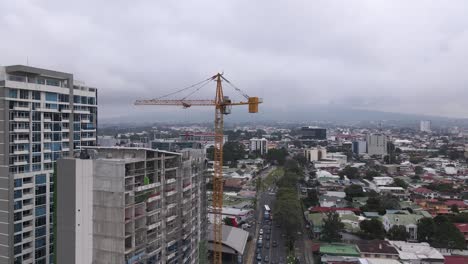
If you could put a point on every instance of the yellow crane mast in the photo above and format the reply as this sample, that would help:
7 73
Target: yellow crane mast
222 106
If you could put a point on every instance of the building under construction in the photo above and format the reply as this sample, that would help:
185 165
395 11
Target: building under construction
130 205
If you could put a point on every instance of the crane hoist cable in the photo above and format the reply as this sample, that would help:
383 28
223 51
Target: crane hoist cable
186 88
235 87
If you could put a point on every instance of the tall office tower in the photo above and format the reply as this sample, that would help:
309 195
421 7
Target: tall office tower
45 115
259 145
425 126
376 144
131 205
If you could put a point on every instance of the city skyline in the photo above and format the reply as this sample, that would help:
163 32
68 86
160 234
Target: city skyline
393 56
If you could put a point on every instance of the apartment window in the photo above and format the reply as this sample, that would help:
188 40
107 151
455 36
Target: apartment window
18 227
36 158
17 216
36 167
36 137
17 250
64 98
40 80
41 200
39 254
36 126
36 106
36 95
13 93
41 231
51 106
40 221
24 94
36 148
41 190
41 179
76 99
36 116
18 194
18 205
40 211
52 82
18 182
18 238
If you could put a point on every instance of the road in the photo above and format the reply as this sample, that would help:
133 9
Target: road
274 253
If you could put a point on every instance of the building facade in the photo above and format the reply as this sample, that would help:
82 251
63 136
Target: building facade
425 126
359 147
376 144
147 206
45 115
259 145
315 154
312 133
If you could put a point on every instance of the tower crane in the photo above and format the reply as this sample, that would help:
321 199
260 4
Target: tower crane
222 106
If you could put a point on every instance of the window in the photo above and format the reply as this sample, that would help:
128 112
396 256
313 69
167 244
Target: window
18 205
36 158
36 167
40 211
76 99
41 231
17 216
24 94
39 254
18 238
18 227
36 137
36 95
41 179
63 98
41 200
52 82
13 93
18 194
40 80
36 148
36 126
18 182
40 189
17 250
40 221
36 116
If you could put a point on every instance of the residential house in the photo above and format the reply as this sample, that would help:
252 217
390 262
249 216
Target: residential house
463 227
426 193
377 249
417 253
404 218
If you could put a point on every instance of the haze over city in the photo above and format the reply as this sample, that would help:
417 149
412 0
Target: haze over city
393 56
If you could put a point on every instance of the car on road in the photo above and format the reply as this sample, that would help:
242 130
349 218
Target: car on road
266 259
259 243
268 231
267 237
275 244
259 257
258 250
267 245
260 237
261 231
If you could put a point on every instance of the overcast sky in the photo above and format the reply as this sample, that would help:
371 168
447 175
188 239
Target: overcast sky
400 56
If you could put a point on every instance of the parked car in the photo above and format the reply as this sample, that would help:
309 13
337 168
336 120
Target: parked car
259 257
261 231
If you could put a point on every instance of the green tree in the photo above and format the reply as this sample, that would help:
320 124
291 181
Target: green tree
400 183
454 208
312 198
287 212
228 221
332 226
300 159
277 156
353 191
398 232
370 174
426 228
350 172
446 235
418 170
372 229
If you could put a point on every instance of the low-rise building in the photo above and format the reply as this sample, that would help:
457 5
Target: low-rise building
377 249
417 253
403 218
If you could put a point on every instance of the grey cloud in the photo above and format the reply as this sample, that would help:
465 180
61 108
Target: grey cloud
397 55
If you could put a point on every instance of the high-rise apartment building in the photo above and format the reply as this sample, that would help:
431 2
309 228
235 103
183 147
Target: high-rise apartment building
131 205
359 147
44 115
259 145
425 126
376 144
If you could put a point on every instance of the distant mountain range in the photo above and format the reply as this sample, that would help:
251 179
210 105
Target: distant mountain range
305 114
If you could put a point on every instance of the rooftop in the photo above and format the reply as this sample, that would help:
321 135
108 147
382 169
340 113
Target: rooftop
376 246
415 251
339 250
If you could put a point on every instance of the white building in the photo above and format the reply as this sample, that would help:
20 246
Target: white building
259 145
315 154
376 144
417 253
341 158
130 205
425 126
382 181
359 147
44 115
